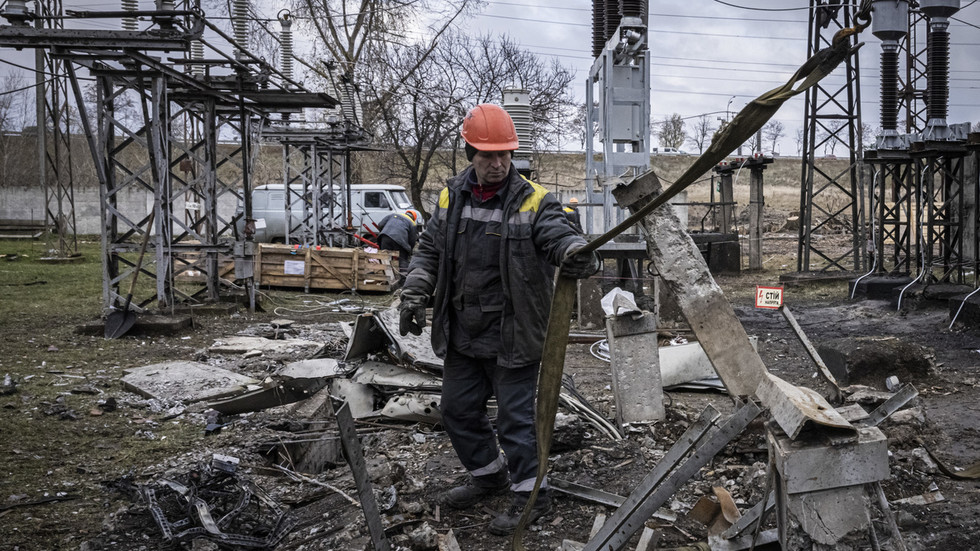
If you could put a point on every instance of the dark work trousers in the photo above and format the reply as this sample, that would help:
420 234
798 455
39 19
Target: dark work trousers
467 384
386 243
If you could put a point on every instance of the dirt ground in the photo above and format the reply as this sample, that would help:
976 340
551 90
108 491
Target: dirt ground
71 461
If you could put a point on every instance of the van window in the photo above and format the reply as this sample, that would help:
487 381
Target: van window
375 200
401 200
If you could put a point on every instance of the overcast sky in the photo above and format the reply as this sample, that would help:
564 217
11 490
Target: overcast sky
706 55
703 52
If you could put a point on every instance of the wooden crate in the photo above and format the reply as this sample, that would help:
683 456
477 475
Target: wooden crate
324 268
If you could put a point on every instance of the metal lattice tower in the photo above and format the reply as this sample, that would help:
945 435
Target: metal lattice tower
171 144
830 200
54 140
925 191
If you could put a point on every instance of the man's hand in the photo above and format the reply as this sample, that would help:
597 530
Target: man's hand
411 313
579 265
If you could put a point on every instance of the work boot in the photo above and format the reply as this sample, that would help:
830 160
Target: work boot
477 488
506 523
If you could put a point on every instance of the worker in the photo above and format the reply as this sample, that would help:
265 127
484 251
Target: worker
486 262
399 232
572 214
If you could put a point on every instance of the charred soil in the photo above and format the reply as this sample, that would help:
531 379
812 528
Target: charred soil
74 445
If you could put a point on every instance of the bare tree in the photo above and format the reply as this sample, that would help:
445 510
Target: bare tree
15 97
701 132
349 31
578 122
772 131
418 114
670 131
830 136
488 64
799 141
868 136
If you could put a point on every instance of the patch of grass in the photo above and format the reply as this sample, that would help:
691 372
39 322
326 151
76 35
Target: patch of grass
55 438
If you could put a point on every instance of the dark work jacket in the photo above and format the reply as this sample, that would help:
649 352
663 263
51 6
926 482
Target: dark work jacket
535 239
401 229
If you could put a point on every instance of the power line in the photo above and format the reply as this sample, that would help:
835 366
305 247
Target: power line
28 87
760 9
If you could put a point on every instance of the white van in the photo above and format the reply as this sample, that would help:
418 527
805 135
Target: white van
370 203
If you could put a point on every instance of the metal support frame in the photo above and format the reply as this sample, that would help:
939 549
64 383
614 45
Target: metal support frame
915 46
942 213
315 178
618 103
54 140
832 114
203 175
893 206
145 169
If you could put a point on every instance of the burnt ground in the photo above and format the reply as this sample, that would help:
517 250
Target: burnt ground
70 463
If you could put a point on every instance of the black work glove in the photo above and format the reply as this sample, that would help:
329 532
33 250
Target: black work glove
411 313
579 265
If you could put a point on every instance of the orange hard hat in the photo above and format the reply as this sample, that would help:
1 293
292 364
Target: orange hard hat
573 200
411 214
487 127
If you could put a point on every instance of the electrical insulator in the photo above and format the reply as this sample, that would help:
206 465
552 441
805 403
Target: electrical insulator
598 27
889 22
937 66
130 23
517 103
239 22
612 18
286 41
197 53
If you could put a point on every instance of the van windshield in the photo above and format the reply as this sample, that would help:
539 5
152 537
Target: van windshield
401 200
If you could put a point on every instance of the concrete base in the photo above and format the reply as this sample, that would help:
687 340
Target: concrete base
934 294
73 259
965 310
821 500
876 287
835 519
803 278
146 326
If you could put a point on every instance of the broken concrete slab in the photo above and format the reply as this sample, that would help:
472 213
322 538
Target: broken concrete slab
684 272
812 462
317 368
636 383
187 382
293 383
242 345
871 360
795 407
828 518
